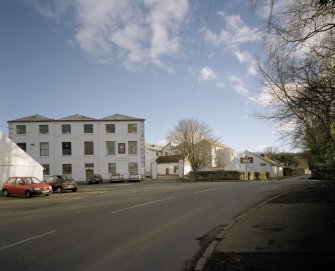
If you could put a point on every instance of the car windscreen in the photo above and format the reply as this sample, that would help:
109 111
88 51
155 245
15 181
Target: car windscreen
32 180
68 178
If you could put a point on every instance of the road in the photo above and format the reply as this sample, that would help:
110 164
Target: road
152 225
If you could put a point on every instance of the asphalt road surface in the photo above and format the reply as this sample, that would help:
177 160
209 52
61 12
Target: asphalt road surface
151 225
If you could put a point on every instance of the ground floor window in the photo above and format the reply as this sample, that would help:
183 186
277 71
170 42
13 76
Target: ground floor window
133 168
67 169
112 168
46 169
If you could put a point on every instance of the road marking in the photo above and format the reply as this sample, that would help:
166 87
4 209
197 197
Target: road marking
206 190
140 205
28 239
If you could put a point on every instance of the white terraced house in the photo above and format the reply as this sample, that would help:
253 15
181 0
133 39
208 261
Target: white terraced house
81 146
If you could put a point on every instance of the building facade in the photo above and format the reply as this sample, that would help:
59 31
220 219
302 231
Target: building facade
250 162
14 162
219 156
81 146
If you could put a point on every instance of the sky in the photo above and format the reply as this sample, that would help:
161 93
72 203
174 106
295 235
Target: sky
161 60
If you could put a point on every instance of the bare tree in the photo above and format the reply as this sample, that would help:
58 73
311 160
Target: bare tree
192 139
299 75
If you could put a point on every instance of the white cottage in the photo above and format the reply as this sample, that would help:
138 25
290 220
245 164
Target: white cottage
251 162
16 162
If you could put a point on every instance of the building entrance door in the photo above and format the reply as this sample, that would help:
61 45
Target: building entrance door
89 174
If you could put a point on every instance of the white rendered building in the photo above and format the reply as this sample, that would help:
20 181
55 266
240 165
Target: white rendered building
252 162
81 146
14 162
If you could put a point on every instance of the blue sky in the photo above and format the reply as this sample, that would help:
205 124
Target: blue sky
151 59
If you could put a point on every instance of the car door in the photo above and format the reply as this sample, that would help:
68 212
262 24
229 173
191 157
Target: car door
11 185
19 186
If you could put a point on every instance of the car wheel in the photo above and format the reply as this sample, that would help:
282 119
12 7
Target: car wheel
5 192
74 190
59 189
28 194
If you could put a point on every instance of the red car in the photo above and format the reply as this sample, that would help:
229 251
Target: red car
25 186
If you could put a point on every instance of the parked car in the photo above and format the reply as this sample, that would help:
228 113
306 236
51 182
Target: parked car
116 178
61 183
25 186
96 178
134 177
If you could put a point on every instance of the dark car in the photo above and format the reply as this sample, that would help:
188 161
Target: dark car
25 186
96 178
61 183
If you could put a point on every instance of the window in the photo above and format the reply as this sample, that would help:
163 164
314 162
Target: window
88 128
175 169
44 129
66 128
263 164
112 168
110 128
110 147
22 145
121 148
66 148
89 165
44 148
67 169
88 148
132 147
46 169
133 168
21 129
132 128
11 181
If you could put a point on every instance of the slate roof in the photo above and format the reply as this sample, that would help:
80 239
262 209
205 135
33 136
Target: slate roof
267 160
76 117
120 117
32 118
153 147
169 159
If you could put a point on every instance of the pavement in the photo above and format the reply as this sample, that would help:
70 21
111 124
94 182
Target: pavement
293 231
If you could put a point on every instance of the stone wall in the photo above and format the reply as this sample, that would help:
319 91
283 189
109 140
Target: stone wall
228 175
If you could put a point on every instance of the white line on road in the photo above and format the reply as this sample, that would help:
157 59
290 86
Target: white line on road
201 191
26 240
140 205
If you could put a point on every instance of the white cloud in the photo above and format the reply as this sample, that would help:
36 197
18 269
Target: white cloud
233 33
245 57
242 56
207 74
238 86
137 32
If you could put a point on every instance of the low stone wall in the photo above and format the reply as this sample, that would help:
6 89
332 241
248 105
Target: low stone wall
228 175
